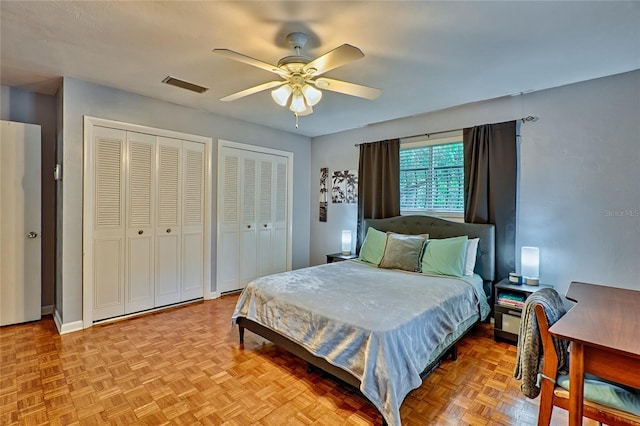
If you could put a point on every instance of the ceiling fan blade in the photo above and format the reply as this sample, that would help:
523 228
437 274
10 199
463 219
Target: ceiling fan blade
337 57
249 60
252 90
346 88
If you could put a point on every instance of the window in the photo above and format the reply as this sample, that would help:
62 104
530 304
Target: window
432 177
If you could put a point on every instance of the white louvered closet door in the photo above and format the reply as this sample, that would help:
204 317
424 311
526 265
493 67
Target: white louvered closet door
192 221
252 216
280 223
140 248
248 217
228 263
109 223
266 197
168 229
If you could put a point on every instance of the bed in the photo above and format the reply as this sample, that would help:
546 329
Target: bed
380 330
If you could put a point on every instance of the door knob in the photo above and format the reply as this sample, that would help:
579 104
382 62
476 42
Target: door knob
168 230
140 232
32 235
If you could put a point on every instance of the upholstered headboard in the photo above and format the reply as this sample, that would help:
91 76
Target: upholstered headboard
442 228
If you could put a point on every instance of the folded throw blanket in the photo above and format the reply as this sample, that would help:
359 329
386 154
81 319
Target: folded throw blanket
530 351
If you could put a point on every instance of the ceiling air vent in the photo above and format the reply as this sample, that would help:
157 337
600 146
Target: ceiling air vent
184 84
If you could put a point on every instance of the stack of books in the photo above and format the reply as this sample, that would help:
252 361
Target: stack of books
511 299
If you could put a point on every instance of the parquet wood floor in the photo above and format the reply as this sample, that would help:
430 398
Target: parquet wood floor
185 367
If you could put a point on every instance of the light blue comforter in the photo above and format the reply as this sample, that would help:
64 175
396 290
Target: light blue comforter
382 326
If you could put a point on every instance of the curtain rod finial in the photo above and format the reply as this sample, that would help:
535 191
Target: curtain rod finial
529 118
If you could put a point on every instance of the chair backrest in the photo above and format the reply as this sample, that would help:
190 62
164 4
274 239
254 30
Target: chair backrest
550 365
549 368
549 399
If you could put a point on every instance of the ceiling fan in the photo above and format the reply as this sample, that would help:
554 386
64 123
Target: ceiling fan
301 76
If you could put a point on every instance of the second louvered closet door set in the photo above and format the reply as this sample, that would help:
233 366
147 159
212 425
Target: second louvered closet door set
253 214
148 233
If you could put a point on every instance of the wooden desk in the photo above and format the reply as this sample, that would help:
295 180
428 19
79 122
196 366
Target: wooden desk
604 330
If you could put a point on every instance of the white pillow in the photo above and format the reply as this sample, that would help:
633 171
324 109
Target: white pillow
470 260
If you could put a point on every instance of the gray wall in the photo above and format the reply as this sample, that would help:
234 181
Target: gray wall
579 176
26 107
81 98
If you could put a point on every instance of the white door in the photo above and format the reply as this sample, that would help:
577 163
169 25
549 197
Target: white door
20 255
109 223
168 228
248 224
192 221
228 264
265 214
280 213
140 249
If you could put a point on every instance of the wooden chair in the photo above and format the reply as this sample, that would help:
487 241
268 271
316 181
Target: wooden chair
552 395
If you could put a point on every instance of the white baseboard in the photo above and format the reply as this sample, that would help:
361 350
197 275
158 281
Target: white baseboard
68 327
46 310
79 325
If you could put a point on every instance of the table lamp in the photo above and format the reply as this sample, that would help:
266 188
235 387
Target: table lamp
530 265
346 242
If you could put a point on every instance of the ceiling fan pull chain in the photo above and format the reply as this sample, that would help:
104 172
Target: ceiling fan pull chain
296 114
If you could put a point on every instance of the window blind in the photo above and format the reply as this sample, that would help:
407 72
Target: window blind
432 178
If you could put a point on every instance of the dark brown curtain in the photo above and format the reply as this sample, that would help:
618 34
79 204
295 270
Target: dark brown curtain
378 181
490 173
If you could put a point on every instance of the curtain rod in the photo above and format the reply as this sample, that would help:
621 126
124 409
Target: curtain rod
428 135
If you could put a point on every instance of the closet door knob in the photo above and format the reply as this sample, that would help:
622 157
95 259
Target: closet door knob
168 230
265 225
248 226
140 232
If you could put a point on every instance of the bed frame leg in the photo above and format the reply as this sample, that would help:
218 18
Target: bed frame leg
241 334
454 353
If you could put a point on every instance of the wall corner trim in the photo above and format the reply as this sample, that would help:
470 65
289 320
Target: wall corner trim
66 328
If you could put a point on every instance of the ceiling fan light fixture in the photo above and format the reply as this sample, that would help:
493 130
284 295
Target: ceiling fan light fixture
303 83
297 102
307 111
281 95
311 94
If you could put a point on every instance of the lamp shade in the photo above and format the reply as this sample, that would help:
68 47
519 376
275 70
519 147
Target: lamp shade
530 263
346 242
311 94
297 102
281 94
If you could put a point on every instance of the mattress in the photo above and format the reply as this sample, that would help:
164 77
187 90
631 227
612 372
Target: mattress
382 326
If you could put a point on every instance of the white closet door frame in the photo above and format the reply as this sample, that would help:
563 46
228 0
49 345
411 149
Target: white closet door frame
87 213
289 160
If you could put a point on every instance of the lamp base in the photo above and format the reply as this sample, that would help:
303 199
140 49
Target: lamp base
530 281
346 252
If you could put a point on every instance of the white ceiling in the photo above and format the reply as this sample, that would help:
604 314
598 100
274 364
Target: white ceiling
424 55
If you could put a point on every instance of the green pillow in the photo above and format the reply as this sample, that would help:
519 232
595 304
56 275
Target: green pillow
372 249
445 257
